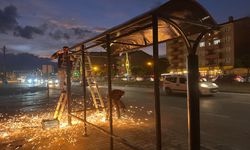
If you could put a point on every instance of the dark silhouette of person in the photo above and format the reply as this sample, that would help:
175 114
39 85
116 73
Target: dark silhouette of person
62 55
119 106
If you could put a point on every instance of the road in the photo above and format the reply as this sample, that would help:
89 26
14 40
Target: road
225 124
224 117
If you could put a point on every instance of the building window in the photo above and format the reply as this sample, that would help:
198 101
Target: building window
216 41
202 44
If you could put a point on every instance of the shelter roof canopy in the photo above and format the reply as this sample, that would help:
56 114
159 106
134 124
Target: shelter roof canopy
188 15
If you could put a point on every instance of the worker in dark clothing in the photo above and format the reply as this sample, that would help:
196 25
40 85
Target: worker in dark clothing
62 55
119 106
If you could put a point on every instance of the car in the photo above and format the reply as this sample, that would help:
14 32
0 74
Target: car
53 82
178 84
230 78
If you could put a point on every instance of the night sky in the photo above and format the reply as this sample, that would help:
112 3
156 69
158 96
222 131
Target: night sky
43 26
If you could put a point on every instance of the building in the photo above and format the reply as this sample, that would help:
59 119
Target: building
219 51
47 69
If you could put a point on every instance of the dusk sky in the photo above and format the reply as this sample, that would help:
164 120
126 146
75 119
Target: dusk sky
43 26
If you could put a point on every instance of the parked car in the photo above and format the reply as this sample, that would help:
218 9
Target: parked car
178 84
229 78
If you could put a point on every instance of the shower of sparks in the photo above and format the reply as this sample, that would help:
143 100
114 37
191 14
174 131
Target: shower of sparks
25 130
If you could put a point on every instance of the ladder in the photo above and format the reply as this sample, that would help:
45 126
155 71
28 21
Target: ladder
60 106
93 86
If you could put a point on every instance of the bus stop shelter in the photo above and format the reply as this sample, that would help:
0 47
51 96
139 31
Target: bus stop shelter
185 19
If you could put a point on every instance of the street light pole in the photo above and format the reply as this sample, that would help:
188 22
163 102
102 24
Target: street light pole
4 64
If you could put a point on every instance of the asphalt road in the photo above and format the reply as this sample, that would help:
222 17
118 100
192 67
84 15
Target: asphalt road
225 122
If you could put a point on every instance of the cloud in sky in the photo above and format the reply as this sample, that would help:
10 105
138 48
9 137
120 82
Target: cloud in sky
51 34
8 19
47 25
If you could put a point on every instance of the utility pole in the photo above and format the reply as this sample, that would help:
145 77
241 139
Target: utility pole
4 65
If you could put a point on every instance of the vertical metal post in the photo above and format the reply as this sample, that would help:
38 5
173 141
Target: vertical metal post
193 103
68 86
47 71
109 93
4 63
5 81
84 90
156 83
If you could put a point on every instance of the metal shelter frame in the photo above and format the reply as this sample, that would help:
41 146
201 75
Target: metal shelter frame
175 19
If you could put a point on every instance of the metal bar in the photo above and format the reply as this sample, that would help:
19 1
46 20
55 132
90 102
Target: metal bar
133 31
129 33
85 48
117 138
190 22
109 92
122 43
193 107
84 90
68 71
193 103
180 32
113 30
4 65
198 39
156 83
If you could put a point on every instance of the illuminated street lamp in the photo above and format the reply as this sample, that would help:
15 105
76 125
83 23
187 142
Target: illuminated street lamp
149 63
95 68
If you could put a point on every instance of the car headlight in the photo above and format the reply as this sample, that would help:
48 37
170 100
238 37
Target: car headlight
29 80
50 81
56 81
214 84
203 85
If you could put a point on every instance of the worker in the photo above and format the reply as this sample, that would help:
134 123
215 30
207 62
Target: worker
62 55
119 106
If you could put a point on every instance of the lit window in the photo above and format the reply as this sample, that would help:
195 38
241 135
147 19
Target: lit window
202 44
217 41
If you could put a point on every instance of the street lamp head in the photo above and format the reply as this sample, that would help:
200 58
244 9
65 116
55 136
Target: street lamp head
149 63
95 68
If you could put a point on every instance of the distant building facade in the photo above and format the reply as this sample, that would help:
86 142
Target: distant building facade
47 69
218 51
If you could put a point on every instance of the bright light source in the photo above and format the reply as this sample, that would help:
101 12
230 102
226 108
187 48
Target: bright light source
203 85
214 84
56 81
95 68
50 81
35 80
149 63
29 81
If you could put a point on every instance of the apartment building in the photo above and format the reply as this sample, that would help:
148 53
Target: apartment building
219 51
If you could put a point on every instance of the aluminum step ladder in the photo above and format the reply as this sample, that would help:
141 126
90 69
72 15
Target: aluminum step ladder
60 106
93 86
